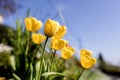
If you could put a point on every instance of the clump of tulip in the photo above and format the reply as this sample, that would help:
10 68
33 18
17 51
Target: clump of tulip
36 55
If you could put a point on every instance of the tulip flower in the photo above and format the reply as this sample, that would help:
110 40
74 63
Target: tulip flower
38 38
61 32
86 60
85 52
51 27
67 52
32 24
58 44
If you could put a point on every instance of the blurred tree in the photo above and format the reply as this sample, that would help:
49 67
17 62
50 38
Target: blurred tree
5 68
6 33
8 7
108 68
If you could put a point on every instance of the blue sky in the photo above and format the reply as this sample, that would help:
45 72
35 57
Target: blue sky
92 24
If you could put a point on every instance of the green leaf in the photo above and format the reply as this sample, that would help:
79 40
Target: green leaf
12 61
46 74
16 77
31 75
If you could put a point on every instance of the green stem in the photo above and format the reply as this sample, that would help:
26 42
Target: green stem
52 59
31 68
28 43
45 47
53 56
42 59
62 65
50 50
26 52
79 74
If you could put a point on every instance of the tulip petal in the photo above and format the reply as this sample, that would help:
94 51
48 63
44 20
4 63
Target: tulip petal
32 24
67 52
51 27
38 38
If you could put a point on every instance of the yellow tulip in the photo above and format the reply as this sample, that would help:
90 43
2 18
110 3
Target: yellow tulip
67 52
61 32
32 24
38 38
3 78
51 27
86 60
85 52
58 44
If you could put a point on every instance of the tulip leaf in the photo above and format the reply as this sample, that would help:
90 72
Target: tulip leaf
46 74
16 77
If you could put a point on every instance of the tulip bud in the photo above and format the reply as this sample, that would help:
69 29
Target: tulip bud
38 38
85 52
51 27
67 52
86 60
61 32
32 24
58 44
